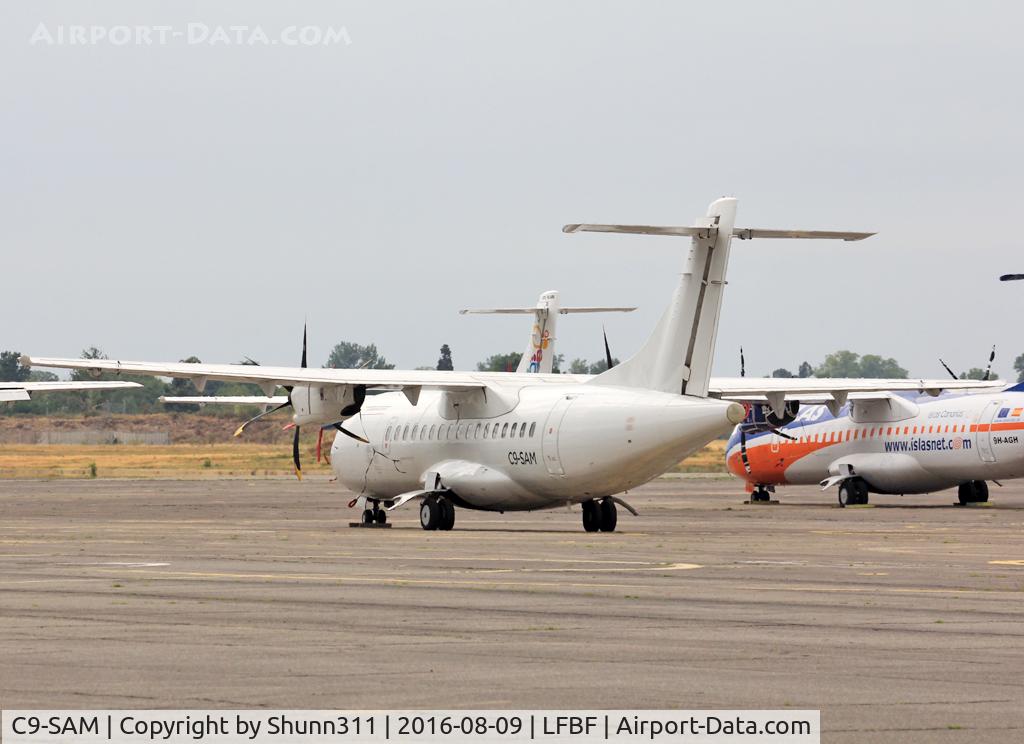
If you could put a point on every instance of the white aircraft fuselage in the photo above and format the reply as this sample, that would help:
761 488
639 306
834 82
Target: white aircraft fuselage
536 445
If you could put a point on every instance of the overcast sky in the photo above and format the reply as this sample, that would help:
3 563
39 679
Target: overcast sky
165 200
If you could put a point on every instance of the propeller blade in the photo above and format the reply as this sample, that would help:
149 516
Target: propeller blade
607 350
991 358
1011 277
295 454
951 372
783 434
743 450
743 364
319 443
351 434
240 429
303 362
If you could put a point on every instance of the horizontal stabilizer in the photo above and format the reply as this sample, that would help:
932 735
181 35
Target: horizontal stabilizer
13 394
702 233
531 310
705 233
750 233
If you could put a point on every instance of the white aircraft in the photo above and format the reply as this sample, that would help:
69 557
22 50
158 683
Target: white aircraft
510 441
16 391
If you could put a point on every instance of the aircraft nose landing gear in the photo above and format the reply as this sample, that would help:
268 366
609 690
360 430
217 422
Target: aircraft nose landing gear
372 516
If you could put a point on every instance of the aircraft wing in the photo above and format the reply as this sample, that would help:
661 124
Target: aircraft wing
11 391
269 378
833 391
227 400
806 388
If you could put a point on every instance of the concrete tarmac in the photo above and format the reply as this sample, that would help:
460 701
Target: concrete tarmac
901 621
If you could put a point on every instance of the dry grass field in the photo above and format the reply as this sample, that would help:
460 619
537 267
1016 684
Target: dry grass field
150 461
711 459
229 459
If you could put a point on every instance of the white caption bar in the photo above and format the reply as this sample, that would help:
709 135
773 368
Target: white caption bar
410 727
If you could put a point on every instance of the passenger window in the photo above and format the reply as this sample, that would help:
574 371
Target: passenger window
433 430
533 428
477 430
504 430
522 430
512 433
387 434
458 431
414 432
451 430
405 433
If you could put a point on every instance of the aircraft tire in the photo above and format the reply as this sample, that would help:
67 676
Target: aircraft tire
447 515
760 495
430 514
381 516
591 516
861 491
967 492
846 494
609 516
980 491
367 516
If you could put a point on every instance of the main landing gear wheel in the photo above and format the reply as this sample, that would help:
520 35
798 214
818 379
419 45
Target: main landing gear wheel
609 516
437 514
447 515
760 494
367 517
591 516
853 491
973 492
380 516
430 514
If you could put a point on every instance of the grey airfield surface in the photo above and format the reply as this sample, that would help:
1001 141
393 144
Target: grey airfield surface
901 621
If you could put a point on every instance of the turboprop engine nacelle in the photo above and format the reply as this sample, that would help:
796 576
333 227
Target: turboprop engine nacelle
761 416
325 404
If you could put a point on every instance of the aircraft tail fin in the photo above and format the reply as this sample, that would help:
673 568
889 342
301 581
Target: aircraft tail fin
540 348
677 357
